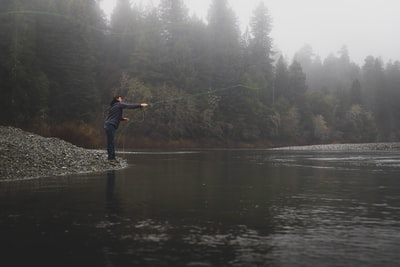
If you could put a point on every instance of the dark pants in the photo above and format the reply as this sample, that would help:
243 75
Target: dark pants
110 133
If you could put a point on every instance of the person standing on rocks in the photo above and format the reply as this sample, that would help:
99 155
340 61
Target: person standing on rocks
113 119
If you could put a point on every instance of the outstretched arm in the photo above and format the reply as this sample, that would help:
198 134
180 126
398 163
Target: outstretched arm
133 106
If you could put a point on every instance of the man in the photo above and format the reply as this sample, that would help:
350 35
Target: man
114 117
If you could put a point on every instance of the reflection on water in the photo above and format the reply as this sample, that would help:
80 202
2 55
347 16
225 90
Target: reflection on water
111 203
210 208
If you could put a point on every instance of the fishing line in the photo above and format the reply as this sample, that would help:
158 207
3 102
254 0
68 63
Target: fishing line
126 127
180 98
207 92
124 132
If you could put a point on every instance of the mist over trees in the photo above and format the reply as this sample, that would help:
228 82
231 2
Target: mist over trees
206 82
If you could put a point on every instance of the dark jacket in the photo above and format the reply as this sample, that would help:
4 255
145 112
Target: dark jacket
114 116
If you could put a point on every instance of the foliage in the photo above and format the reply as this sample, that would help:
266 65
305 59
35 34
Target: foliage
62 61
321 130
360 125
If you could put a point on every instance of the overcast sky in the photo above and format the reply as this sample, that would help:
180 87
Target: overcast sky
366 27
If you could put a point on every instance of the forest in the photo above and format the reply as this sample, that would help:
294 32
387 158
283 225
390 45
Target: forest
208 83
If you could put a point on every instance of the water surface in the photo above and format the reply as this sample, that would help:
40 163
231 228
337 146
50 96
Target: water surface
210 208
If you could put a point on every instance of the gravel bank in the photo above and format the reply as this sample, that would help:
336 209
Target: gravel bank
346 147
25 155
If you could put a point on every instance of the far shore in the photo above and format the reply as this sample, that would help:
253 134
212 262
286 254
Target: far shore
394 146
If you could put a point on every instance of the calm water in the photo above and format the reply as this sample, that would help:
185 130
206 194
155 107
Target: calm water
210 208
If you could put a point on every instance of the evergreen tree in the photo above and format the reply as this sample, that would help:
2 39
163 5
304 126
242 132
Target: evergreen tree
260 67
198 44
225 66
174 17
124 26
281 82
24 86
146 60
177 64
260 46
68 47
392 74
297 97
296 84
305 56
377 96
356 93
225 45
68 38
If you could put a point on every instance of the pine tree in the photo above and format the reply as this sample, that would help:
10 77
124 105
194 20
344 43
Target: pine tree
296 84
177 62
281 82
67 49
377 95
225 45
260 47
124 27
24 86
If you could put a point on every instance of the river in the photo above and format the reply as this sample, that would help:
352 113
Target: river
210 208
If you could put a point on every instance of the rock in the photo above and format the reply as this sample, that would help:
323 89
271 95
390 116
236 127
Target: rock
25 155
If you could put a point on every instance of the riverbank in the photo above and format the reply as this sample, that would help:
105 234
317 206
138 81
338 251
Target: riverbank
395 146
25 155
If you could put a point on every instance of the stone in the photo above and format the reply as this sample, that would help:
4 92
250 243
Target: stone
25 155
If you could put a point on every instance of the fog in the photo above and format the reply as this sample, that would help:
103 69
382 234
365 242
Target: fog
204 84
365 27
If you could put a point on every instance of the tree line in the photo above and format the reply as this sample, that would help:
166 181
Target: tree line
206 81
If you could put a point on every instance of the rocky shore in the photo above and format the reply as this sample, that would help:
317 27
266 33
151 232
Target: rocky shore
347 147
26 155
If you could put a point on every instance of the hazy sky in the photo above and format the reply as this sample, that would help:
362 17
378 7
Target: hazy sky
366 27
